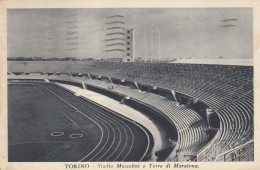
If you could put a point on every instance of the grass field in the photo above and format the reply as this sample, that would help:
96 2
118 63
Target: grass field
36 111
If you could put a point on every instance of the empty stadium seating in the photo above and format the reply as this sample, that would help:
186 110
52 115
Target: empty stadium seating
190 126
228 90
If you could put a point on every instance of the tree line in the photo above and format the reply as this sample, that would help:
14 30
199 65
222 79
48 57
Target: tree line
48 59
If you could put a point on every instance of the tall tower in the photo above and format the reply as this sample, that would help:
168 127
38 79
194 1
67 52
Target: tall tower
129 45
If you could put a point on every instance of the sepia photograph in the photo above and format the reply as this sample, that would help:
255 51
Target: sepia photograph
130 85
121 86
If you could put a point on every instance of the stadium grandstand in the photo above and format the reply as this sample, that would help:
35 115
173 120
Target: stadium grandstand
209 107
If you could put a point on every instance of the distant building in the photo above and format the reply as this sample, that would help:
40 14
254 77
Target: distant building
129 45
139 59
115 59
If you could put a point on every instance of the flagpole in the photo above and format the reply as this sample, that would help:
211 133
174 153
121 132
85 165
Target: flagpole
159 48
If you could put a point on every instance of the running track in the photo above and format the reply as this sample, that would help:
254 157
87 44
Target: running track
120 139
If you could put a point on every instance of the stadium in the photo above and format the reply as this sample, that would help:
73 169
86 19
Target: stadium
123 109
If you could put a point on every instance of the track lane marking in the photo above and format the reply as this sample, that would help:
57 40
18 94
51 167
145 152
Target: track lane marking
104 123
65 115
120 135
53 151
114 113
102 128
148 139
113 120
83 107
111 143
102 132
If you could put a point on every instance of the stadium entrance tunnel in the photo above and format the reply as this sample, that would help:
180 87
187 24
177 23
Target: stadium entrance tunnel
116 81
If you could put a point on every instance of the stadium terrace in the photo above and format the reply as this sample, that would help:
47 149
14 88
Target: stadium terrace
202 112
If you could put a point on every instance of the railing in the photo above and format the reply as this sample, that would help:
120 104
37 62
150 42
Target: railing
244 152
202 155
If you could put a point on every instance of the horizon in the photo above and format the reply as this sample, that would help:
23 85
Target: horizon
184 33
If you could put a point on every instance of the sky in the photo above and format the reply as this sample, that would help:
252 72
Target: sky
164 33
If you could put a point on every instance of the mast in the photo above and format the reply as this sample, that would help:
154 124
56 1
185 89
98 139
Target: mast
145 44
152 40
159 45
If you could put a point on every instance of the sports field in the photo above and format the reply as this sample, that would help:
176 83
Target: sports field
48 123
